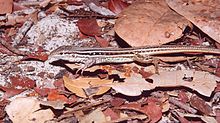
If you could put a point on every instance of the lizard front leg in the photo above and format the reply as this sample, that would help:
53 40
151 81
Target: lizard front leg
85 64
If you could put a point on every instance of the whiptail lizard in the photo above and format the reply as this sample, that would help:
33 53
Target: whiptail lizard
88 57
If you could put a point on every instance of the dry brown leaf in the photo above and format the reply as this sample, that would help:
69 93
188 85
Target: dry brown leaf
204 14
6 6
206 119
54 104
153 111
133 86
149 23
202 82
27 110
201 105
174 59
79 85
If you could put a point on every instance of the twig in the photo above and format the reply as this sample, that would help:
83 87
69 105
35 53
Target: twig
86 107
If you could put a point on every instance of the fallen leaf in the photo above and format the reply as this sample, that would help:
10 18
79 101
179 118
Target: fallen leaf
217 71
89 27
59 84
23 82
125 117
183 120
217 112
102 42
200 105
153 111
92 117
202 13
100 9
6 6
133 86
10 91
174 59
110 113
3 103
75 87
40 55
133 106
183 96
202 82
116 102
11 20
44 3
58 104
72 99
42 91
18 6
117 5
27 110
80 85
5 50
149 23
206 119
54 95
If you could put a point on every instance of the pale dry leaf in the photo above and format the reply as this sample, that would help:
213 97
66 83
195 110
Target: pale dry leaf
79 85
54 104
27 110
96 116
133 86
202 82
150 23
204 14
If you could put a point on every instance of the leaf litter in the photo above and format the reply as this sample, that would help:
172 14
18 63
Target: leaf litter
32 90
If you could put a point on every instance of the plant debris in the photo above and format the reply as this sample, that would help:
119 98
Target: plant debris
181 87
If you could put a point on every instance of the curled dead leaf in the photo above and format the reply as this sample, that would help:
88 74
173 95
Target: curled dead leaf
84 87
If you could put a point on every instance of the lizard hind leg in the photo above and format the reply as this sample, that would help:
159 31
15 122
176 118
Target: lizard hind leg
148 59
